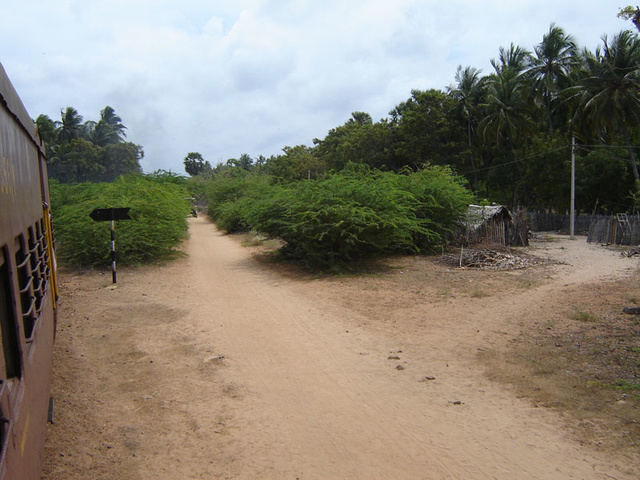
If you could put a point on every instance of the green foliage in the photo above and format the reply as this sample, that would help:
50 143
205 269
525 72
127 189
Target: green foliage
359 140
229 199
631 13
195 165
441 200
297 163
159 209
546 177
343 219
605 180
509 133
346 218
80 151
426 130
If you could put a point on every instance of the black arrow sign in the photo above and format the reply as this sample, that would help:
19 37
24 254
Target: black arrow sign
111 214
106 214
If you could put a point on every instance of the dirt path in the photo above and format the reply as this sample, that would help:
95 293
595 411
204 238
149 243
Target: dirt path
215 368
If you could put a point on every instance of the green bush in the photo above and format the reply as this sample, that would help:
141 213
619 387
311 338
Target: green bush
159 210
441 199
348 217
229 199
356 214
330 224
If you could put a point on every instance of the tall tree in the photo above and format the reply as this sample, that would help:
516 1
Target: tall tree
611 89
550 67
631 13
119 159
506 108
296 163
358 140
425 132
47 130
515 58
245 161
507 117
70 126
194 164
468 92
109 130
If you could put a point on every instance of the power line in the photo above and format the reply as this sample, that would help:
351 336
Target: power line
579 146
519 160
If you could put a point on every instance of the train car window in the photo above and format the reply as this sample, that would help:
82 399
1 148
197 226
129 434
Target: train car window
10 348
26 285
38 267
44 252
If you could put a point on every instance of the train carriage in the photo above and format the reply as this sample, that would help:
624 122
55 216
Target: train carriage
27 290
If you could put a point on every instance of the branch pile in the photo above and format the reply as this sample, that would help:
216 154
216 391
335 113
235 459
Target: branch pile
631 253
488 260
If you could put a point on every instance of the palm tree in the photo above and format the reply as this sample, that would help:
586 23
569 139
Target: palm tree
515 59
550 67
468 93
109 117
70 126
506 109
109 130
610 89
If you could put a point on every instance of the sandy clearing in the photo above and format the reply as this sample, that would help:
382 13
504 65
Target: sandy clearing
213 367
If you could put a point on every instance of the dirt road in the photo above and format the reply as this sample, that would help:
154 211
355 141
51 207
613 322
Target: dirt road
214 367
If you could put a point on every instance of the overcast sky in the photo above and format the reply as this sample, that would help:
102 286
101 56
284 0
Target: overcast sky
226 77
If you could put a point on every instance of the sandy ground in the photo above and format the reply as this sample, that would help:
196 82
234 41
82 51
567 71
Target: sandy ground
221 366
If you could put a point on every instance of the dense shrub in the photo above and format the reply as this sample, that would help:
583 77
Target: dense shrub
347 217
230 199
159 210
338 221
441 199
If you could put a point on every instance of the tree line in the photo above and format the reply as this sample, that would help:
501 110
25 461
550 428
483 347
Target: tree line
508 133
92 166
88 151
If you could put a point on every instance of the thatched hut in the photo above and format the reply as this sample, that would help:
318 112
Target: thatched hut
492 225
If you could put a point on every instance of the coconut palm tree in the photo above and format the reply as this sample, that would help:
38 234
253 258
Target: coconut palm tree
108 116
514 58
610 89
506 112
550 67
70 126
505 107
467 93
109 130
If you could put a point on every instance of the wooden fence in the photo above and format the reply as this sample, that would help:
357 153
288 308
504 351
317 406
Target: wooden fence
614 229
553 222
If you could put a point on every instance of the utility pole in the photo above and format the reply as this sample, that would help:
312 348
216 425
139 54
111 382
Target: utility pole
572 221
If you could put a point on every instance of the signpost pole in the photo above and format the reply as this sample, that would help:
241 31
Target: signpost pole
111 215
113 251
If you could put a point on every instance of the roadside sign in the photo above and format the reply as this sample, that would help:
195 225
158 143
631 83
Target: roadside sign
106 214
111 215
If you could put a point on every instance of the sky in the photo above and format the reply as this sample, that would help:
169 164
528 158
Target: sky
227 77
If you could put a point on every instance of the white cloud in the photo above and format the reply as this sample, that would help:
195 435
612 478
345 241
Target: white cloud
234 76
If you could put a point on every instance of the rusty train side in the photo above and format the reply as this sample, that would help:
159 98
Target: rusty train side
28 290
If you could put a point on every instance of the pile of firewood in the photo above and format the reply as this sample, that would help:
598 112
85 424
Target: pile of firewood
488 260
631 253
